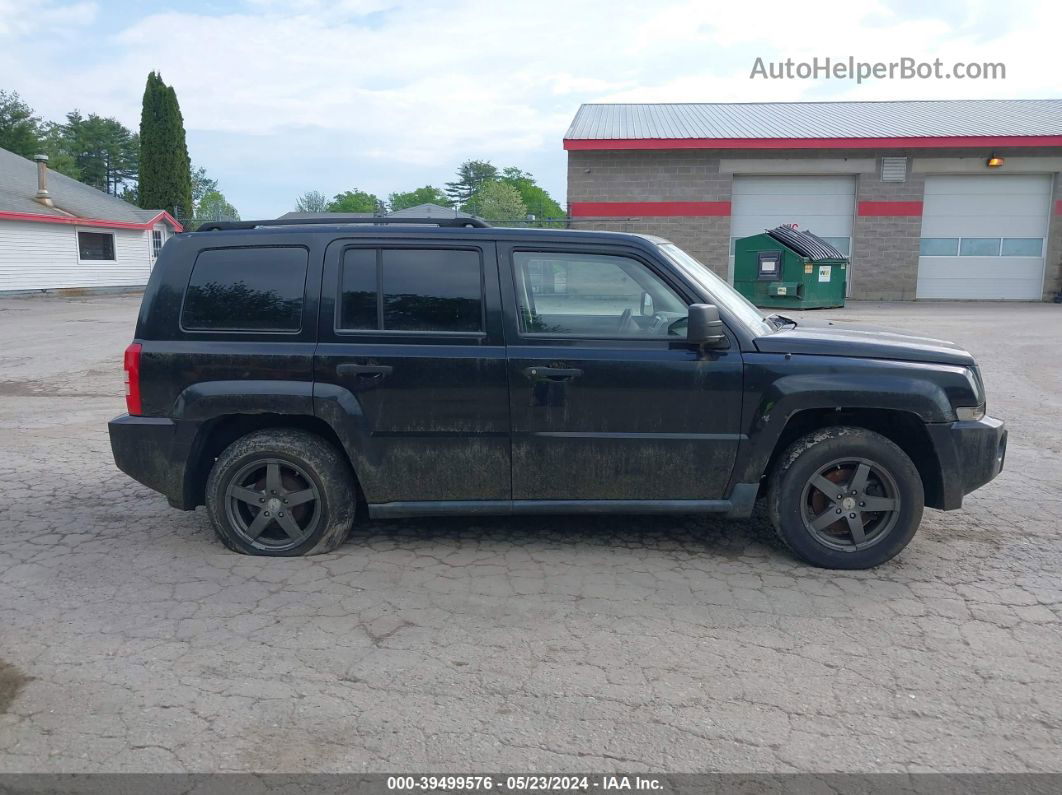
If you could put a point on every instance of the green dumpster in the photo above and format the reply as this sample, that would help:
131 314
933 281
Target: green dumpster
784 267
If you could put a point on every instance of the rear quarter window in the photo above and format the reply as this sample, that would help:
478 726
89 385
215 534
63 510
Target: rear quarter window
246 289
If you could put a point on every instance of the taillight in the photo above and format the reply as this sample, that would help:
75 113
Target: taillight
132 378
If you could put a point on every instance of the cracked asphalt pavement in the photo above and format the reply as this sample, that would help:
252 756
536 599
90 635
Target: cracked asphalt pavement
131 640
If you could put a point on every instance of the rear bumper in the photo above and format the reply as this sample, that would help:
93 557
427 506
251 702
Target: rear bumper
971 453
149 450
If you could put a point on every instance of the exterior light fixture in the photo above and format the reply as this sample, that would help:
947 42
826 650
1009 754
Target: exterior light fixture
994 162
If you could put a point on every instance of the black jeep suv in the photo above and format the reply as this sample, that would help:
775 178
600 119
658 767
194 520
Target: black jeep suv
294 375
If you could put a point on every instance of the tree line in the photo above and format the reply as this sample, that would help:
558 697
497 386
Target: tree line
507 195
149 168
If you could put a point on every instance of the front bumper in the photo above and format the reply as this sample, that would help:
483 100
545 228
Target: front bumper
971 453
151 451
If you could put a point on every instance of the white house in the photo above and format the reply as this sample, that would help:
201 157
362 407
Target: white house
56 232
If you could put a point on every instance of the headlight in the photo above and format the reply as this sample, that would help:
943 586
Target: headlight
970 412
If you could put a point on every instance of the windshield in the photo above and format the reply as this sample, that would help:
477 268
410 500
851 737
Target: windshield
722 293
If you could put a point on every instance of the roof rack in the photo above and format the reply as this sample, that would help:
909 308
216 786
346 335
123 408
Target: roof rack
220 226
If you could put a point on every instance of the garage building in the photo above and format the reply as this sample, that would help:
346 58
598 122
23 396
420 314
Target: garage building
952 199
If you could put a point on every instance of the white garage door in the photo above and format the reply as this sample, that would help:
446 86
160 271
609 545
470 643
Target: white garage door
983 236
823 205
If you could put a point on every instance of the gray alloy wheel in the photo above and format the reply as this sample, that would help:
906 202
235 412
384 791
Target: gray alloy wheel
845 497
281 492
851 503
273 504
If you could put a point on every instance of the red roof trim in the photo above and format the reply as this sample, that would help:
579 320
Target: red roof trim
912 142
97 222
165 216
652 209
890 209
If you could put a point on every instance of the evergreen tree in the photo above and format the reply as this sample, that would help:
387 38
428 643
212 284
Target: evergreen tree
165 170
19 127
104 151
56 145
470 176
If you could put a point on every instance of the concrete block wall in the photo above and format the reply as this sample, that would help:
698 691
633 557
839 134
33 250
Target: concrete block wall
705 238
648 176
885 248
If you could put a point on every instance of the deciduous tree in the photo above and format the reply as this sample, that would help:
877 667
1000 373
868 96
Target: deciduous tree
215 207
201 185
537 200
429 194
312 201
498 202
354 201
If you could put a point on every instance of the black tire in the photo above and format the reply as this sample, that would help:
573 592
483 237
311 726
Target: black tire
310 510
861 470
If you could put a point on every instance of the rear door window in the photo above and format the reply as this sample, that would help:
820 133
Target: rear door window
246 289
360 291
412 289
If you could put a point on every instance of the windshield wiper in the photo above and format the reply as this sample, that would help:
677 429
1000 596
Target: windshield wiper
781 320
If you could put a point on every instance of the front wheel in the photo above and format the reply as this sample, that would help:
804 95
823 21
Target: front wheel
845 498
280 492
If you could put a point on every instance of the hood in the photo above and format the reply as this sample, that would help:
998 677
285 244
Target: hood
841 338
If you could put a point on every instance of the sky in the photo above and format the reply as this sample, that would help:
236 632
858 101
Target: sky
284 96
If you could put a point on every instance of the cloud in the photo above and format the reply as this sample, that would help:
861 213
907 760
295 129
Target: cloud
413 88
19 18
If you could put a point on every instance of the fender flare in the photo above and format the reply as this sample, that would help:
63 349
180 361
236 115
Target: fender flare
208 400
202 402
789 395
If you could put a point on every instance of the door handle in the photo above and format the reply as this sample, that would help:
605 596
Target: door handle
552 373
365 370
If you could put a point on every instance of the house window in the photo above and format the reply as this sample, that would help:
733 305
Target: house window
156 242
97 246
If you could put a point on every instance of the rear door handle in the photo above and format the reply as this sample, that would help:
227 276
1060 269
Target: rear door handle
365 370
553 373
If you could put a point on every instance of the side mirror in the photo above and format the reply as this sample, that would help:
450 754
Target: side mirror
703 326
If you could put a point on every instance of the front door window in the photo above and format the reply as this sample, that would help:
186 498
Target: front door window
593 296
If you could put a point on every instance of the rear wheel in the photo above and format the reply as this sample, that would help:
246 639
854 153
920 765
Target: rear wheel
845 498
280 492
